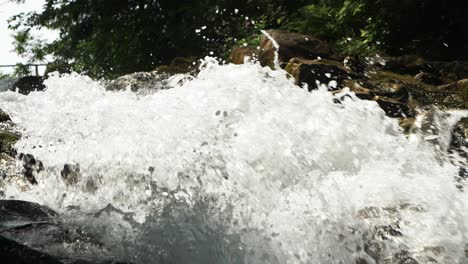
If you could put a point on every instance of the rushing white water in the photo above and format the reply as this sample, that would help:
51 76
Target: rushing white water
239 165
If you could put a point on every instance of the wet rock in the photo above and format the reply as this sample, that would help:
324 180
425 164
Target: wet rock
460 134
393 107
31 167
178 65
294 45
6 84
361 261
402 257
28 84
407 64
390 93
40 233
29 223
15 253
4 117
14 211
401 95
137 81
450 71
459 150
238 55
7 141
315 72
70 173
355 64
428 78
406 123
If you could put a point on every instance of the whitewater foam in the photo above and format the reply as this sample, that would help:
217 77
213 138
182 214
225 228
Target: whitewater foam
240 165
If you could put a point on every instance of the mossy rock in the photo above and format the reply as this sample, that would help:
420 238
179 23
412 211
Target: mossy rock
406 123
7 141
400 95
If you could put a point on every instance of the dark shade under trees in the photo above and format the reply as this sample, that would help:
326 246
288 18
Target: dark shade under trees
107 38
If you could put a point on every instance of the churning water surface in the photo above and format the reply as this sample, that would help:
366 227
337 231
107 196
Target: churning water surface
237 165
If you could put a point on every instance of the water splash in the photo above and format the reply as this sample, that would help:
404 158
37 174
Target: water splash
276 63
239 165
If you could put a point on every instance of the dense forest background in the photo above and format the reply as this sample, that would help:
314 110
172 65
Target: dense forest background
108 38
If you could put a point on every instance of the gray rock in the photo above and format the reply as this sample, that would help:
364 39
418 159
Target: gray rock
139 81
6 84
16 253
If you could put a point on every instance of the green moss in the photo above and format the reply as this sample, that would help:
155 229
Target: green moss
7 140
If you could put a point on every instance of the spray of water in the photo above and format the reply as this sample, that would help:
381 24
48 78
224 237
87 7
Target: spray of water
238 165
276 63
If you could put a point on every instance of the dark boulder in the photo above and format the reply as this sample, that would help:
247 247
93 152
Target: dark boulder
12 211
450 71
316 72
31 166
407 64
28 84
4 117
12 252
428 78
355 64
32 233
29 223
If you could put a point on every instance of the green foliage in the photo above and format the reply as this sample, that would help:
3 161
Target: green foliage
21 70
108 38
4 76
361 27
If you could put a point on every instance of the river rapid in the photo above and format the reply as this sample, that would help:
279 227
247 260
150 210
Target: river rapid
238 165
